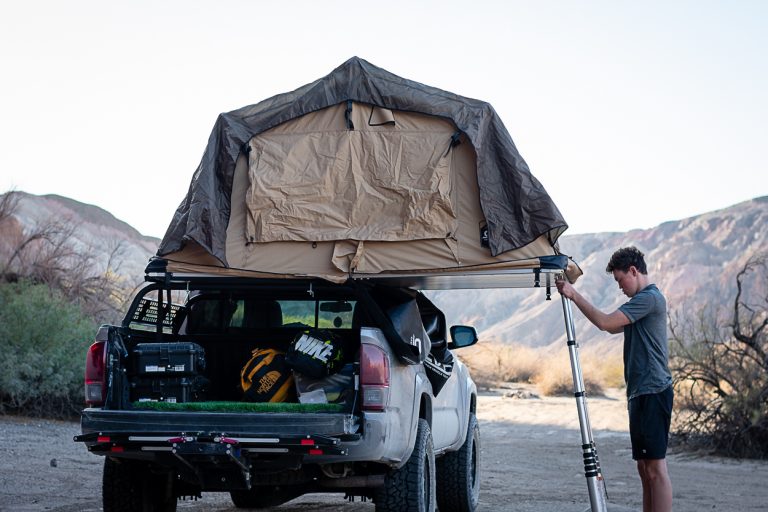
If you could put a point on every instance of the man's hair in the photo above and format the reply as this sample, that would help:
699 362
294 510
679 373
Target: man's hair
627 257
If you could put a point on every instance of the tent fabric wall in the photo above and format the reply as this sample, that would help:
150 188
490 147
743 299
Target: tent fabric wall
314 179
518 211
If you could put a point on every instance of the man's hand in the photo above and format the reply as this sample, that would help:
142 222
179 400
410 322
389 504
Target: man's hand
565 288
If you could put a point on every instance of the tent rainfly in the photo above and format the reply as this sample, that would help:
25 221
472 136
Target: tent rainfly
363 174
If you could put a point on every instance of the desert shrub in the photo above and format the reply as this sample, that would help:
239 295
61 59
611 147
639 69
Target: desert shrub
608 367
720 370
43 342
555 378
492 363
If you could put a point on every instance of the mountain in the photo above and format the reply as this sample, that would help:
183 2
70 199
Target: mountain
694 261
93 230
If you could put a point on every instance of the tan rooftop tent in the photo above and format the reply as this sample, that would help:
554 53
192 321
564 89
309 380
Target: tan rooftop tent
364 174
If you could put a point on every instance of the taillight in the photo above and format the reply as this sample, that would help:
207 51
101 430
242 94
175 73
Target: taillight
374 377
95 388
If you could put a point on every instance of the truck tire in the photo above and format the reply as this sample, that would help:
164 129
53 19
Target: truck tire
130 486
263 496
458 474
412 487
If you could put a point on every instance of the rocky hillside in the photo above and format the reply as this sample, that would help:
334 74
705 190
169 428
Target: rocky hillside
93 231
694 261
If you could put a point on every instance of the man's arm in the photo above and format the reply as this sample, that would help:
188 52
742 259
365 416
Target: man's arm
613 323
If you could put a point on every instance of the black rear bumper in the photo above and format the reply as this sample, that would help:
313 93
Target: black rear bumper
219 451
143 434
136 422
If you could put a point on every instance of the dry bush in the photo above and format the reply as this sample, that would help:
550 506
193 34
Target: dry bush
721 370
492 363
556 377
49 253
605 362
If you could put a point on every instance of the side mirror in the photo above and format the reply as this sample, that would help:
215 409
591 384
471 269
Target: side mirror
462 336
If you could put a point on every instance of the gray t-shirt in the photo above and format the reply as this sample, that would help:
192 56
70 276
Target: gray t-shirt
646 359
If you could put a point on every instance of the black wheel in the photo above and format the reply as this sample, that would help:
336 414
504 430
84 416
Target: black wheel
412 487
458 474
264 496
130 486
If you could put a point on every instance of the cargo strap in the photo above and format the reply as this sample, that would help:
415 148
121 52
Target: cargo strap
348 116
455 141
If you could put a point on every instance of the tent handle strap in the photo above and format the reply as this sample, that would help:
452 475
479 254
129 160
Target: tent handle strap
348 116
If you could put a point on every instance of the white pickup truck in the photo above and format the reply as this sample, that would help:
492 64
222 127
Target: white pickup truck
395 424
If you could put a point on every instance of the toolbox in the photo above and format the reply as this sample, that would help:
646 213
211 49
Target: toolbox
173 390
168 359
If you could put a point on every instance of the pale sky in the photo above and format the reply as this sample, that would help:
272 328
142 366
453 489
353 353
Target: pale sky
630 113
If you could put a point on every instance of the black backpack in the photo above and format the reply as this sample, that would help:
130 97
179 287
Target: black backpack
316 353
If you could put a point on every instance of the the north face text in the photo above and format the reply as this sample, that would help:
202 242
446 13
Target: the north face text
267 381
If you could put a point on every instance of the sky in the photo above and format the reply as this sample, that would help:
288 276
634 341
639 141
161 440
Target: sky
629 113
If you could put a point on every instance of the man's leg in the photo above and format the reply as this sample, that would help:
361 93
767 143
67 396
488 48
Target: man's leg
646 486
657 487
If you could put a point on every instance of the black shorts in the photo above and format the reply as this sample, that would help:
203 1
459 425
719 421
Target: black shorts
649 417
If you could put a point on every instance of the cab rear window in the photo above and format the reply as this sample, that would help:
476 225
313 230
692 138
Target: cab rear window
222 315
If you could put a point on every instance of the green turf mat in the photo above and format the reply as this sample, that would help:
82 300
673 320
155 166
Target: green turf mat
238 407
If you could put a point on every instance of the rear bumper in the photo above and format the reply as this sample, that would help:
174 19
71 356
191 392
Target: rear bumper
305 437
134 422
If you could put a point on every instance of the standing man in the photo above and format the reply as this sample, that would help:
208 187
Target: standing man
643 319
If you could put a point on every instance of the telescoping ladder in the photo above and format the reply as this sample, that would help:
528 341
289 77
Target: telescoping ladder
595 482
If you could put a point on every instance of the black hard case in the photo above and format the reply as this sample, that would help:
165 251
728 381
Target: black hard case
168 359
176 389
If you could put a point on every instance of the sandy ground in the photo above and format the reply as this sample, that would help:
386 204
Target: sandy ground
531 462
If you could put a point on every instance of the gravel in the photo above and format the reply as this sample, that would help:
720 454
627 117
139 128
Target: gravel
525 468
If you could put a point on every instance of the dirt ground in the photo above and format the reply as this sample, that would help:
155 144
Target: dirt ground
531 462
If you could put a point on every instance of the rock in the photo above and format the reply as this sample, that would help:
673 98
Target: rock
523 394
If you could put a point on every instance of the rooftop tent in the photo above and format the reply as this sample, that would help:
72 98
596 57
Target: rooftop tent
364 174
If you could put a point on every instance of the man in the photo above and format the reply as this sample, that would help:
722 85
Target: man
643 319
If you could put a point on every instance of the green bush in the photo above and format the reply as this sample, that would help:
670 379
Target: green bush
43 342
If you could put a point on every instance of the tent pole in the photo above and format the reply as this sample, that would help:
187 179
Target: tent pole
595 483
